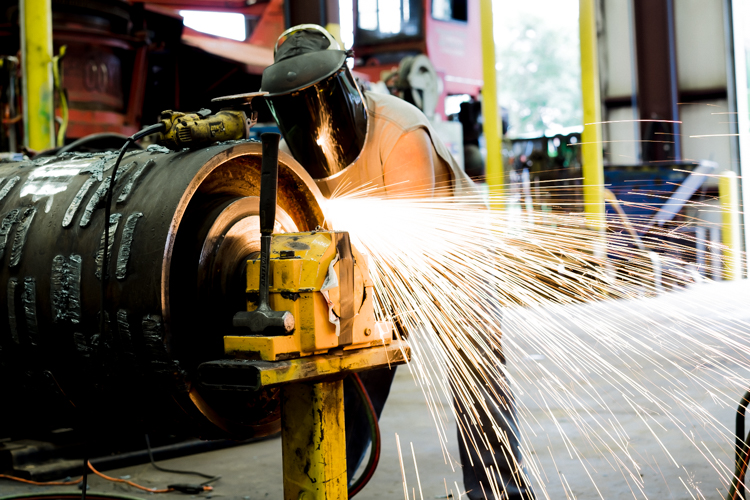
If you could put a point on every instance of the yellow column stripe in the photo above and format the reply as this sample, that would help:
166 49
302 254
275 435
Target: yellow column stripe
593 162
36 50
729 198
492 128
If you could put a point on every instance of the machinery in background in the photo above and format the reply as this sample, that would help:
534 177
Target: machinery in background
446 31
119 63
424 52
545 174
546 170
99 42
416 81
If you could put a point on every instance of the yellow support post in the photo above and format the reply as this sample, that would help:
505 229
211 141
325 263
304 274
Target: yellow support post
313 441
593 161
492 128
36 52
730 225
335 30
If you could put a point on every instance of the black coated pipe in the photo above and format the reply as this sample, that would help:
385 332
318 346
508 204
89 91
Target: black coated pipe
139 369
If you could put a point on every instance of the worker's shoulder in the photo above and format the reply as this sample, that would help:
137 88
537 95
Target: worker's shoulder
399 113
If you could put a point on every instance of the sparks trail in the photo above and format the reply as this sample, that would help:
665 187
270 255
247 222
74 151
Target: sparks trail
444 269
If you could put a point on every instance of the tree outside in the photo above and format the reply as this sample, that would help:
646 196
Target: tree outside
539 71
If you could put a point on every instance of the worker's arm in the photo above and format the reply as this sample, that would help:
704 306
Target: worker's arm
413 168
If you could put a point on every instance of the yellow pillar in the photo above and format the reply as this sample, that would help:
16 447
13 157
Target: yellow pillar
492 127
36 53
313 442
593 162
730 226
335 30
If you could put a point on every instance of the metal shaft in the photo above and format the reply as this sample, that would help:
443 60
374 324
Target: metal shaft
269 183
50 279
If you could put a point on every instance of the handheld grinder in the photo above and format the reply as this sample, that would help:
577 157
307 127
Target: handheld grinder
202 128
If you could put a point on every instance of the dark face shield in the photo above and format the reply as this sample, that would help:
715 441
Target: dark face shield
324 125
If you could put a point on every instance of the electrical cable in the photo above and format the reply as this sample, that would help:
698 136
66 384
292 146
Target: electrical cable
741 451
159 127
102 136
152 129
42 483
372 419
131 483
67 495
183 488
211 478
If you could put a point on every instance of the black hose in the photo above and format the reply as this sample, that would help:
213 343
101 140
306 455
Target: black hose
104 136
210 477
741 449
372 418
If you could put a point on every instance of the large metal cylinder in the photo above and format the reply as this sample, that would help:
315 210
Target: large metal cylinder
182 225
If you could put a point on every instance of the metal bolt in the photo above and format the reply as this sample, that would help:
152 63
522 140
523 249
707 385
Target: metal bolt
303 495
368 332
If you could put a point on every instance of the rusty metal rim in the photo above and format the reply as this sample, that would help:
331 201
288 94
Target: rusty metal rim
247 149
227 155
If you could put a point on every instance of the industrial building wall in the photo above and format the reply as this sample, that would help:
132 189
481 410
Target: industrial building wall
701 75
618 82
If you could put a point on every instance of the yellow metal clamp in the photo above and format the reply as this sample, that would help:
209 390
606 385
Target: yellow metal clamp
309 276
310 321
325 283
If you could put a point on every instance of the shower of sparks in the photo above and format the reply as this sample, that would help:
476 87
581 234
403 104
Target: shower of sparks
448 272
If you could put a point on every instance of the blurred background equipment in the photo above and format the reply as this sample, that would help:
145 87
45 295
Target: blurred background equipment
657 141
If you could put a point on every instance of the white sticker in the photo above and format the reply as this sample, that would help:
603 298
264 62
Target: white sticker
331 281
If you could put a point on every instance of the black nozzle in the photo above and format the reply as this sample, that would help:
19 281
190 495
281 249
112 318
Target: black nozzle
269 180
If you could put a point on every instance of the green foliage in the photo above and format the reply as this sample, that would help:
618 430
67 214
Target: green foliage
539 72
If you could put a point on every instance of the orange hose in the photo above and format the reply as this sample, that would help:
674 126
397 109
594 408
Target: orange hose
103 476
46 483
131 483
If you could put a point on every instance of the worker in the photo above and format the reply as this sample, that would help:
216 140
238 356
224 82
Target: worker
347 139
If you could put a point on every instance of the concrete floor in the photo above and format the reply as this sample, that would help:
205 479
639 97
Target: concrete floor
590 433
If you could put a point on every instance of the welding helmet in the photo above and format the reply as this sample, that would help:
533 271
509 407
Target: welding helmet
315 100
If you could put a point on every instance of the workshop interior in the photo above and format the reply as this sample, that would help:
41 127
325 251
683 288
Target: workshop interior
183 311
